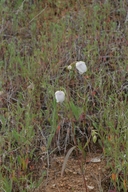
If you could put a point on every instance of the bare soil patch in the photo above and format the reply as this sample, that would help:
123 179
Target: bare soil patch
95 174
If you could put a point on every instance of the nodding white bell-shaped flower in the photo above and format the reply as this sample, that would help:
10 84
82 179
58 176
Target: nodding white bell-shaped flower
60 96
81 67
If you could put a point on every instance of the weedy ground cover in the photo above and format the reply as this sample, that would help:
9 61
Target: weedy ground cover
38 41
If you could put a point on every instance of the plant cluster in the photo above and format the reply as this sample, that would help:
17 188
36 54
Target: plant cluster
39 42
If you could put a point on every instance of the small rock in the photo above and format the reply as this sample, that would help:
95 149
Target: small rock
95 160
90 187
53 186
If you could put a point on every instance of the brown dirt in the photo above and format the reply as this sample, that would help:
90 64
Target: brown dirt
95 175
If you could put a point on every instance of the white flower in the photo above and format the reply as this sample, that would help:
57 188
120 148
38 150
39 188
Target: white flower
60 96
81 67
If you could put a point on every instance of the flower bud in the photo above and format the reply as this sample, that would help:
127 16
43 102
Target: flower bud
94 138
69 67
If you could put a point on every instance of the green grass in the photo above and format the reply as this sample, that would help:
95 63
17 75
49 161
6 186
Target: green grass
37 43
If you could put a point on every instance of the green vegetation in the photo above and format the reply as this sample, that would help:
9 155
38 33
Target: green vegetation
38 40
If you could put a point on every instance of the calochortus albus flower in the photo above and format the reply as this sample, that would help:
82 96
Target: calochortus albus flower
60 96
81 67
